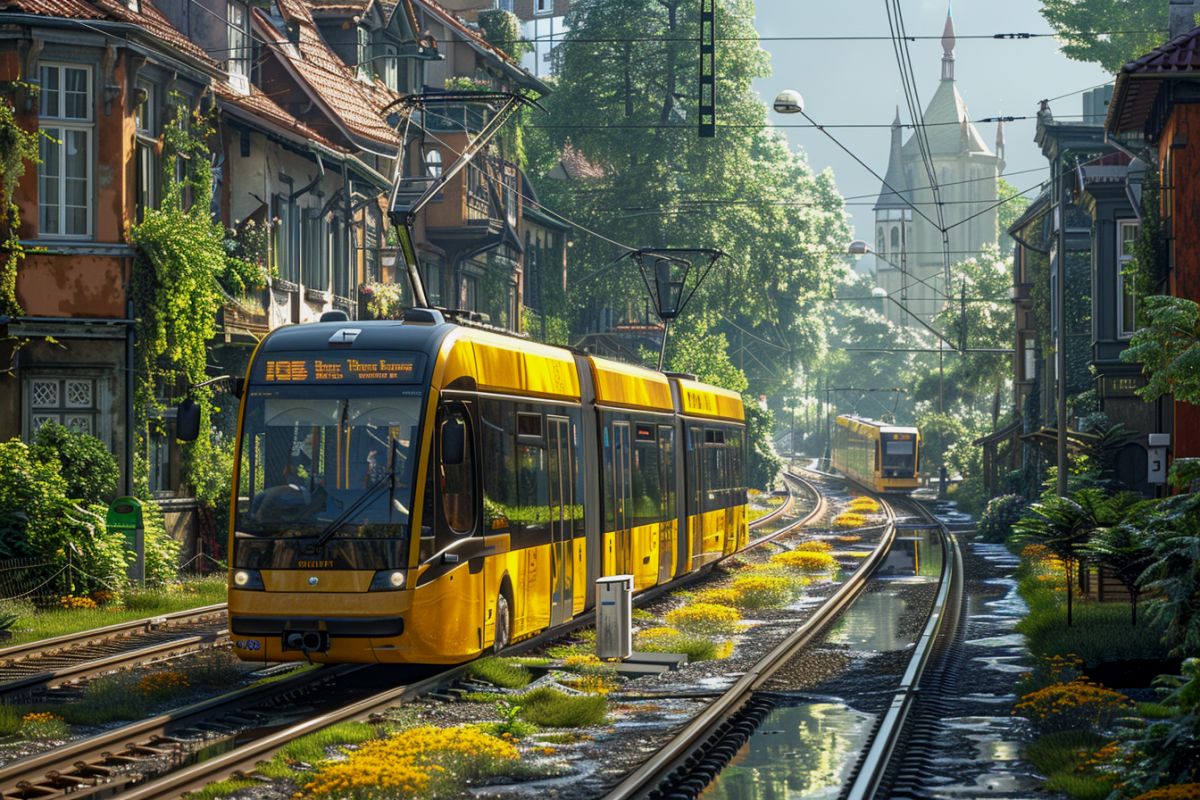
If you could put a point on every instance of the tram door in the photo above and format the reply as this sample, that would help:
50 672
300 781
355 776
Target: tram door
562 490
667 514
698 491
623 488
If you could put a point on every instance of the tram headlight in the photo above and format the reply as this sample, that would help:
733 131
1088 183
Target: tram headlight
388 580
247 579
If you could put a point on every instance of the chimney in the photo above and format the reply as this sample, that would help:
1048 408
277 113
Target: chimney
1182 17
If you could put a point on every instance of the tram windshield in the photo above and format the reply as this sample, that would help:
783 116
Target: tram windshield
328 468
899 453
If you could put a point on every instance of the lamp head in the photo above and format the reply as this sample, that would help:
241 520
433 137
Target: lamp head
789 101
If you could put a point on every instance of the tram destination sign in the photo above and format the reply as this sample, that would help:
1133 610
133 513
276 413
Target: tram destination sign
309 368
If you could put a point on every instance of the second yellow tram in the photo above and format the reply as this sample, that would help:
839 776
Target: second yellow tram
878 456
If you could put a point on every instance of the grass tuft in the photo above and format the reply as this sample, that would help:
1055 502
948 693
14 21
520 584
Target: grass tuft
1080 787
503 672
550 708
220 789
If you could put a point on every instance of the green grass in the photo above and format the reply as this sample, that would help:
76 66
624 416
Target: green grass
315 747
502 672
550 708
1099 632
1058 752
1153 711
1059 755
47 623
696 648
483 697
1080 787
10 719
221 789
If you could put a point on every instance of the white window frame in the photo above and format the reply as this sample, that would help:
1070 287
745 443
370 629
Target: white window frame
391 67
149 164
85 125
365 69
237 39
543 7
1123 258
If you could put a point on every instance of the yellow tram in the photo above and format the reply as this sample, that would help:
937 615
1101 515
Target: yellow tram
419 491
880 457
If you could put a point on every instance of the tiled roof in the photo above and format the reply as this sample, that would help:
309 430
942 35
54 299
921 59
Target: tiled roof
148 17
337 8
1181 54
327 76
454 22
75 9
259 105
1139 81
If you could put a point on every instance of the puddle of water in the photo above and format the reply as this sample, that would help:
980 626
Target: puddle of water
872 622
799 751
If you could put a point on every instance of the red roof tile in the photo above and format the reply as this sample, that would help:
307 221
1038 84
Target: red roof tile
148 17
1181 54
258 104
75 9
326 75
454 22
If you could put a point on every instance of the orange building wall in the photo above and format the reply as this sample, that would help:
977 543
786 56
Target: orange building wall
1180 143
69 285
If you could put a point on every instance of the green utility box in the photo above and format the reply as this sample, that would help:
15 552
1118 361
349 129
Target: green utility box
125 515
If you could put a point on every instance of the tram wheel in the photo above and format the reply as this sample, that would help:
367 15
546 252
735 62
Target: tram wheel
503 624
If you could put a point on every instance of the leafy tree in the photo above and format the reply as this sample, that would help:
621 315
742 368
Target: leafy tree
1137 26
89 469
1174 573
1125 550
1168 348
1063 525
626 71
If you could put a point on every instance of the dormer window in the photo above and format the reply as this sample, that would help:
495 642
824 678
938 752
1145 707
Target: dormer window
391 67
365 72
237 64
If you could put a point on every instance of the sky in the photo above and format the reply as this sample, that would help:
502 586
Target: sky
856 82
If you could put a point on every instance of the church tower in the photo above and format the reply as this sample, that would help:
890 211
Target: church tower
947 152
893 222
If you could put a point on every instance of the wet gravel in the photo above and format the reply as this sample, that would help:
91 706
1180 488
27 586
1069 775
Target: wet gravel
969 744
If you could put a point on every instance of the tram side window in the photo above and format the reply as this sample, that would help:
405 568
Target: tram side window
457 471
499 458
666 448
576 512
695 476
647 489
533 488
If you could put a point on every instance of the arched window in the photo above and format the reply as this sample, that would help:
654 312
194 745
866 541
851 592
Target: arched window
433 162
880 241
895 239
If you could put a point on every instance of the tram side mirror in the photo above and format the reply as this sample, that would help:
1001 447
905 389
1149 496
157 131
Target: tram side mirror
187 421
454 442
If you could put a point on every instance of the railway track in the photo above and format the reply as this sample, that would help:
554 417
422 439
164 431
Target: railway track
35 666
154 758
701 749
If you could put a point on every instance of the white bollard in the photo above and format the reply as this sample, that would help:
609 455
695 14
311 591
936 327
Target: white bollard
614 616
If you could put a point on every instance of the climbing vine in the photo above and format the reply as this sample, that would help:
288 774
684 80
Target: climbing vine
17 146
181 259
1149 266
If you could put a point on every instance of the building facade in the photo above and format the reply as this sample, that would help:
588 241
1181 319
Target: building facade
913 255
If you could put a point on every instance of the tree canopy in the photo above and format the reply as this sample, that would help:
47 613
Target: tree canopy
1107 32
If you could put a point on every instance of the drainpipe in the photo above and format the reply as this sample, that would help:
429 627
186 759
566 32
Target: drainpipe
130 332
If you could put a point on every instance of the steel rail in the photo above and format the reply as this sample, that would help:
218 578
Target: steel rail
86 669
18 778
646 777
943 619
246 757
57 643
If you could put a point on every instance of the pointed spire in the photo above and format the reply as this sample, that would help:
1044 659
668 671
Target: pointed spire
948 41
894 178
1000 139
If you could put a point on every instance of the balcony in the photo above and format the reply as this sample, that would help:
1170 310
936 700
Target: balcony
246 315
